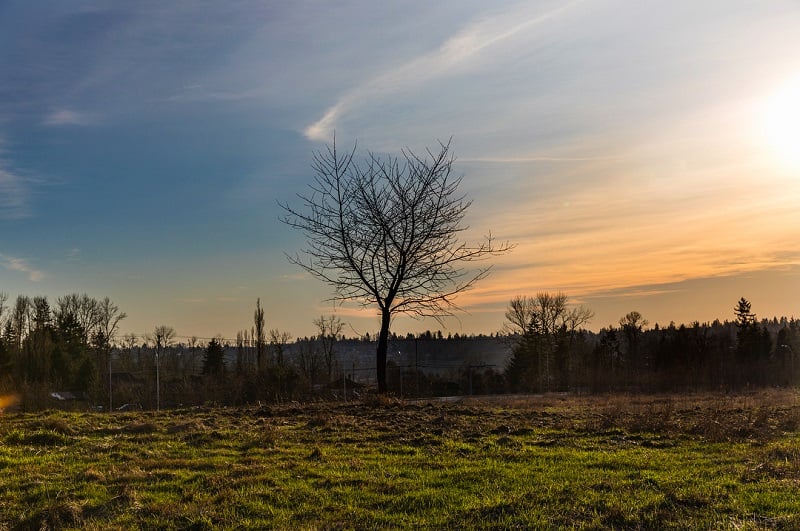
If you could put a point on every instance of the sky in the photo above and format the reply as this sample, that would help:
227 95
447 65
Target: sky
641 155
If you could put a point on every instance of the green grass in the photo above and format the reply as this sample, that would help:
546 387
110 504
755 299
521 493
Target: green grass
698 462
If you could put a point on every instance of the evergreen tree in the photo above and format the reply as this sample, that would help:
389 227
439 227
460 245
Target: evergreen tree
748 336
5 360
214 360
632 325
259 334
744 317
86 376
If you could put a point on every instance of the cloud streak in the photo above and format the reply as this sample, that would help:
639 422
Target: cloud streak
66 117
456 54
13 195
13 191
615 146
20 265
633 222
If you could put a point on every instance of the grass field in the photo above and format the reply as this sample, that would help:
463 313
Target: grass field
605 462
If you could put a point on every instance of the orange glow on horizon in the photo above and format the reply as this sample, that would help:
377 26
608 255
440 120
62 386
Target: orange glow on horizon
8 401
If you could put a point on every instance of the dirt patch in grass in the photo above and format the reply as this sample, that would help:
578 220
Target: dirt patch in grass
141 428
190 426
45 438
713 417
61 426
57 515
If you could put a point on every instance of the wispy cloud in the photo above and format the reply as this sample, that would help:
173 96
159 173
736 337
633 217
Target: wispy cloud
12 263
65 117
197 300
200 93
296 276
13 195
533 158
13 191
626 231
455 54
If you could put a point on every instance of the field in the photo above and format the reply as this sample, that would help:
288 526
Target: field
572 462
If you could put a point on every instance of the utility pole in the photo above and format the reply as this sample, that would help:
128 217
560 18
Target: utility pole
110 391
400 371
158 383
416 365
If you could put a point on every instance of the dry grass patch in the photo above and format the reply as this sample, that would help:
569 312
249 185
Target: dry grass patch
141 428
600 462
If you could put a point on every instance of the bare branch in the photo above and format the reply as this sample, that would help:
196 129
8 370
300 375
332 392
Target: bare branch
385 231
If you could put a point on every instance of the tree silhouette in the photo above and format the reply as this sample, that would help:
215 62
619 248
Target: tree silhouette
385 231
744 317
259 334
329 329
162 337
214 360
631 325
751 345
542 329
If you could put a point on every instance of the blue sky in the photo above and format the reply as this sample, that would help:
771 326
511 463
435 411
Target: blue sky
641 155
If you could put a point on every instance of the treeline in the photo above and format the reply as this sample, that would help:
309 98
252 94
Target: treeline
67 354
550 353
150 375
66 346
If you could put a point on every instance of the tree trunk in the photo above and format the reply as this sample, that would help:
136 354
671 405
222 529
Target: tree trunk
383 347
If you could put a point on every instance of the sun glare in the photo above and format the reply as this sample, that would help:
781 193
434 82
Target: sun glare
781 123
8 401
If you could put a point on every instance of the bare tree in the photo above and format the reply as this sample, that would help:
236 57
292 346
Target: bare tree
549 316
83 308
634 320
278 341
577 317
3 300
259 334
309 360
21 320
385 232
126 353
240 342
538 326
545 313
632 325
520 314
329 328
189 357
108 318
129 341
162 337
